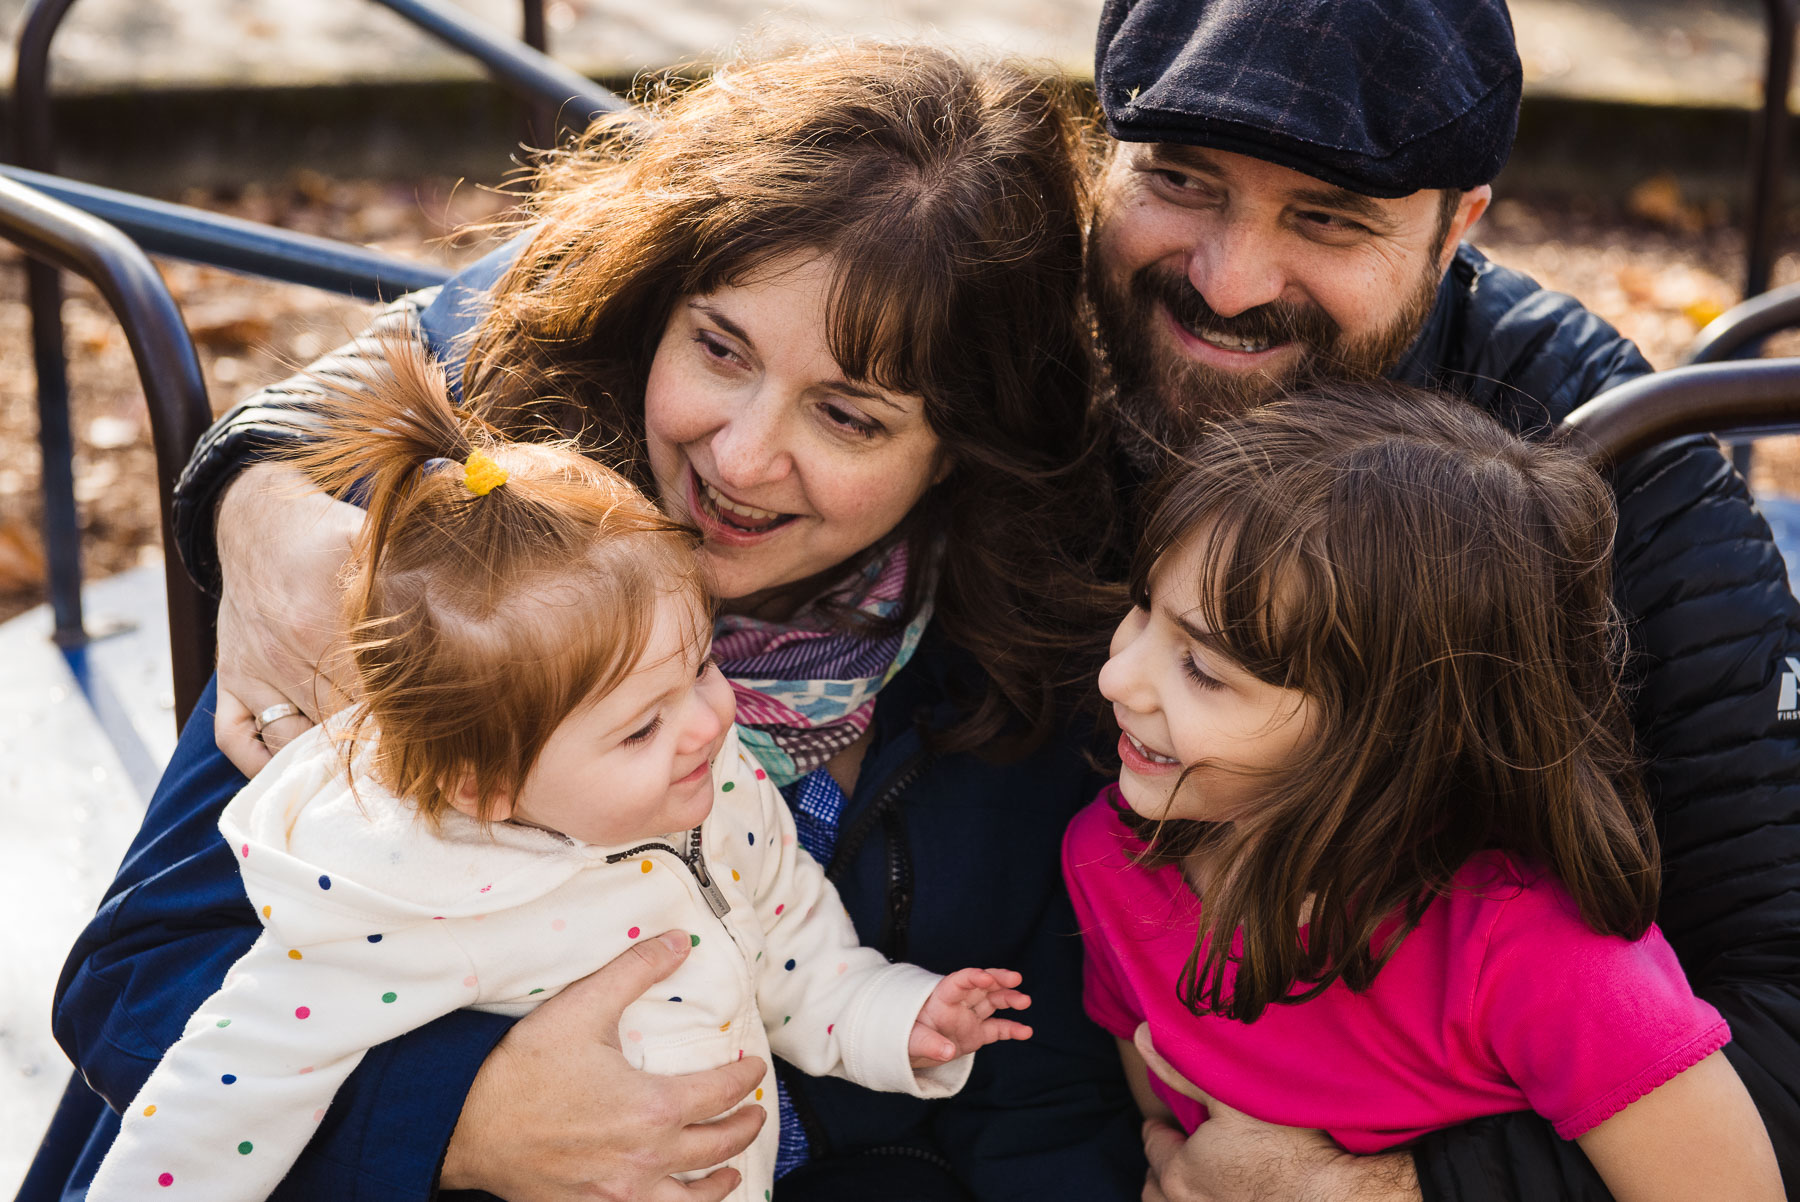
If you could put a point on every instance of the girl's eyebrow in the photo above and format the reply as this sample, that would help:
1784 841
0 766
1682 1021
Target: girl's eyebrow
1205 638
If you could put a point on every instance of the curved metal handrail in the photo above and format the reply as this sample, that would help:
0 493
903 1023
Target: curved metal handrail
529 72
179 232
56 233
1738 333
1756 395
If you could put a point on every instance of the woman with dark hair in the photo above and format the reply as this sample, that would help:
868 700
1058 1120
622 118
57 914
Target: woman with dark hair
825 308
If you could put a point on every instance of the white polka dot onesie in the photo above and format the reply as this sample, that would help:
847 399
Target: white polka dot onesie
374 925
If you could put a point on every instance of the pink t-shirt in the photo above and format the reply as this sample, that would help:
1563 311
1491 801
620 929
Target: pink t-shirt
1501 999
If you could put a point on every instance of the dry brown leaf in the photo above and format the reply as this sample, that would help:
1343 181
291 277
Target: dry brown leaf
21 557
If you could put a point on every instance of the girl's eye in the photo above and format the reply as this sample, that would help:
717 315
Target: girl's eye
862 427
706 665
643 733
1198 675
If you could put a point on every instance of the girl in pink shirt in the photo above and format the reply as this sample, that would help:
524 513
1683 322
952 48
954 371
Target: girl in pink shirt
1377 861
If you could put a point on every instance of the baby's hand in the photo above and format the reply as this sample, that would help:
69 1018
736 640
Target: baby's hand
958 1016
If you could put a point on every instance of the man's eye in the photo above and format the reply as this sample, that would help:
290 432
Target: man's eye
1333 223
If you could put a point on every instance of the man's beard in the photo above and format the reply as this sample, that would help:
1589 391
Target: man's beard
1161 397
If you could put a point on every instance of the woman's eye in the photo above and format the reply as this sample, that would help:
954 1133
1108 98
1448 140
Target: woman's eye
861 426
1199 675
642 734
716 348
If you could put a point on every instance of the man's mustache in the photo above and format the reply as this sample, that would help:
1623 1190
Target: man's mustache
1274 323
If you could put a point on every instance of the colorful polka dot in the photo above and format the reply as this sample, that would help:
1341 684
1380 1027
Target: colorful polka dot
693 941
534 991
245 1148
830 1028
759 1095
267 910
725 1026
228 1079
485 888
306 1070
374 938
632 933
740 1050
842 969
735 876
761 775
786 1019
294 954
728 786
789 966
781 907
246 850
389 997
674 999
635 1036
558 924
324 882
469 981
318 1114
646 866
166 1180
752 837
303 1012
223 1022
149 1110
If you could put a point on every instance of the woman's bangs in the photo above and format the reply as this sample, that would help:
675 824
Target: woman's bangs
887 315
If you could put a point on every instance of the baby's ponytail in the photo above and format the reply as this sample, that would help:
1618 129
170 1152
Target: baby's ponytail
495 585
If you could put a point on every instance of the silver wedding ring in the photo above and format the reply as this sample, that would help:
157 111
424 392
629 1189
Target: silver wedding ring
274 713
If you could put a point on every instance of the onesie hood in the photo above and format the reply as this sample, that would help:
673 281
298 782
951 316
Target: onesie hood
322 859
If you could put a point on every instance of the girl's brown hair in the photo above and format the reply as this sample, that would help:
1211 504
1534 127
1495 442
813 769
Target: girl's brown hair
1441 590
949 199
478 623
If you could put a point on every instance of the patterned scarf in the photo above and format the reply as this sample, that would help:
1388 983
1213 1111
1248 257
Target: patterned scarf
805 689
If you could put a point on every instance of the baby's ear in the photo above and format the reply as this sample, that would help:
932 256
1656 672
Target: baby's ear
465 797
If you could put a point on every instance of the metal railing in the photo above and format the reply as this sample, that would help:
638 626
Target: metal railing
555 91
1769 158
59 235
1747 397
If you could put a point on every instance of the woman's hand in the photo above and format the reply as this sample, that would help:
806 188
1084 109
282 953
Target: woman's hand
557 1113
1232 1157
282 547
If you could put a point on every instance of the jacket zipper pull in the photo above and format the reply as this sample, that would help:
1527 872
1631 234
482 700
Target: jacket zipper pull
715 897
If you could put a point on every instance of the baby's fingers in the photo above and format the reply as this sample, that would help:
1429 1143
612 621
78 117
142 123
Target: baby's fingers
1008 999
995 1029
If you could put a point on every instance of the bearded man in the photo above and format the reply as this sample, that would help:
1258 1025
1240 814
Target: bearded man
1286 200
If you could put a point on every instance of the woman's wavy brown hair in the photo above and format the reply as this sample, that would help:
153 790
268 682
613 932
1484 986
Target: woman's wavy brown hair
949 197
478 623
1441 590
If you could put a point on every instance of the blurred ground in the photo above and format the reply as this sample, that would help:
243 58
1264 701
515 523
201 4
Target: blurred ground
1655 266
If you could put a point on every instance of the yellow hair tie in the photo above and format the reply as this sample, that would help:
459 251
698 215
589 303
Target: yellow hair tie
482 475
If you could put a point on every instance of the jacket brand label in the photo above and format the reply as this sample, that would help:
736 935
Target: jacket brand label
1787 705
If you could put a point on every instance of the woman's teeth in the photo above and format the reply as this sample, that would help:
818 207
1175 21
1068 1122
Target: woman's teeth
743 517
1151 755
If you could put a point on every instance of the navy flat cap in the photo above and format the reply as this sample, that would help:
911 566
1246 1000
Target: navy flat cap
1383 97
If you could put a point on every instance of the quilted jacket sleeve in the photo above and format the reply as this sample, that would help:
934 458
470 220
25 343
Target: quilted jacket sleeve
264 422
1715 635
